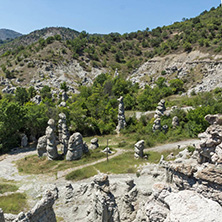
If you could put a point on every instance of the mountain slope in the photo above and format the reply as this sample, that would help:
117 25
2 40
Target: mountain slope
8 34
82 56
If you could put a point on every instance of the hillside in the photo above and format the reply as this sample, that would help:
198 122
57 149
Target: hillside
79 57
8 34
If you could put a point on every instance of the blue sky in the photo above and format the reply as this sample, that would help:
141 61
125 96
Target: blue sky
98 16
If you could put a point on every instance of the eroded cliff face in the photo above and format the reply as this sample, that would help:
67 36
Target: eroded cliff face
200 71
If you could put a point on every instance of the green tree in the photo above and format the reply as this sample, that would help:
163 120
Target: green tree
21 95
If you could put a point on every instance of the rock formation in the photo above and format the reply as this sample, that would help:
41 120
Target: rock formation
158 113
51 148
175 121
85 148
103 205
41 146
202 173
165 205
63 133
138 151
24 141
121 116
94 144
42 211
210 147
75 147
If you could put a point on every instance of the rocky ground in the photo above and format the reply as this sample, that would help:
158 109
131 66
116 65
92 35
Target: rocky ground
74 201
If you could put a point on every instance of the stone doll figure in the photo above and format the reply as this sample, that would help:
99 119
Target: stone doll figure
121 116
51 148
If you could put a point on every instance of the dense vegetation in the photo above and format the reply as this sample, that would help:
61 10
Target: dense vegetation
94 111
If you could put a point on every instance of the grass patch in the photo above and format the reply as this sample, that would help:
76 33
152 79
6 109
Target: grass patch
13 203
81 174
124 163
35 165
4 187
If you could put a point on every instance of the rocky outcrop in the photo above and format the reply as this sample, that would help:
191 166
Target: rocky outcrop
51 147
210 147
138 149
165 205
121 116
94 144
41 146
75 147
42 211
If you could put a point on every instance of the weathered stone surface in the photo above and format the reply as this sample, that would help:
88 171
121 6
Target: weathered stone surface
210 147
63 133
158 113
138 151
42 211
75 147
51 148
41 146
85 148
94 144
121 116
37 99
103 205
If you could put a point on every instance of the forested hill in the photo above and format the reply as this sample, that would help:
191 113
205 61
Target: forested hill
125 52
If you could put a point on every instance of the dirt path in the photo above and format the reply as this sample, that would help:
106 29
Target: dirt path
171 146
65 172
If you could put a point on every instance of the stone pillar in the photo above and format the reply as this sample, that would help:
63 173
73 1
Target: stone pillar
24 141
75 147
121 116
139 147
51 148
64 133
2 219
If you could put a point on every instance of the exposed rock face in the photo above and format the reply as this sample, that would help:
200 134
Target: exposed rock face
2 219
24 141
41 146
42 211
63 133
139 147
175 122
103 205
158 113
75 147
51 148
121 116
94 144
164 205
210 147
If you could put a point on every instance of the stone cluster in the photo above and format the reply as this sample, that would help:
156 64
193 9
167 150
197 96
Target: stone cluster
158 113
138 151
121 116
